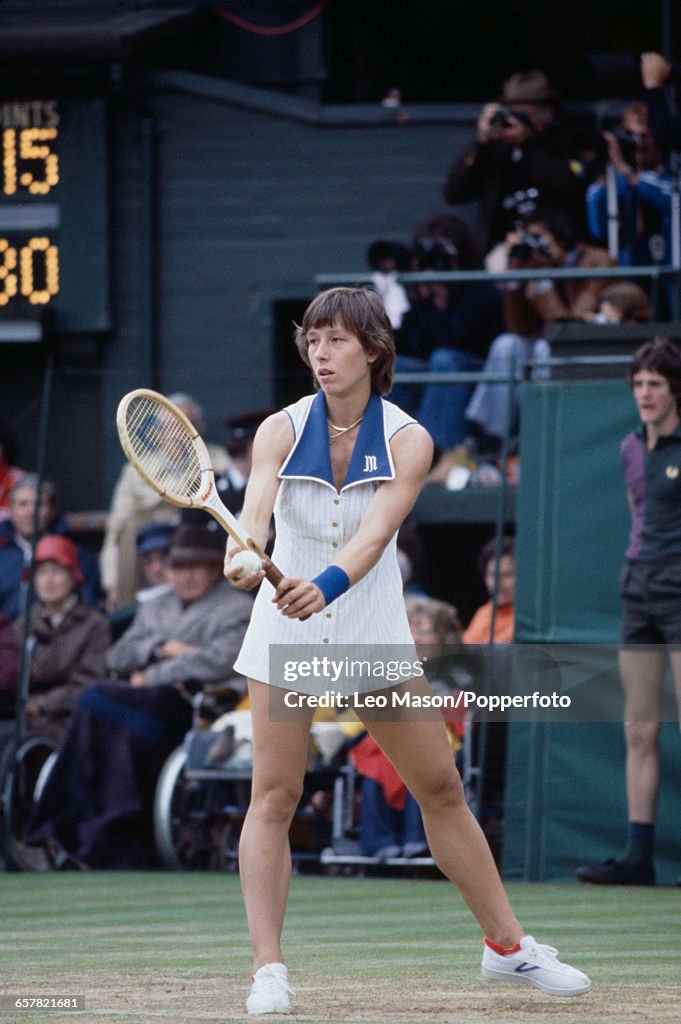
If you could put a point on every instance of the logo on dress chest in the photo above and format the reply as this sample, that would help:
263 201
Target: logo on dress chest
371 464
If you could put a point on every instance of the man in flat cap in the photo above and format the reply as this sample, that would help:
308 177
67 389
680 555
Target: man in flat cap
96 807
519 161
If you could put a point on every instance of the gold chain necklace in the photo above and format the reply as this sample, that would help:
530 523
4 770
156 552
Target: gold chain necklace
341 430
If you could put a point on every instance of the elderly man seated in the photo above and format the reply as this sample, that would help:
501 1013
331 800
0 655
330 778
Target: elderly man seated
96 807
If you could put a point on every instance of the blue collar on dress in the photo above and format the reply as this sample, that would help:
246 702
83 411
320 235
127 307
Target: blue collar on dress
310 457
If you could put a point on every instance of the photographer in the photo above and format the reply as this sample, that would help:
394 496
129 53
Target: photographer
644 188
519 161
546 241
448 328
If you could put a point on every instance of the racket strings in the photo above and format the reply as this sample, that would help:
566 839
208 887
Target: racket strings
164 448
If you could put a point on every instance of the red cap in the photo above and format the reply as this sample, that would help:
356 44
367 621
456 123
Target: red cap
55 548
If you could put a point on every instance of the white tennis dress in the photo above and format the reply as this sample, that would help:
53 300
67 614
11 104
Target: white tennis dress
314 522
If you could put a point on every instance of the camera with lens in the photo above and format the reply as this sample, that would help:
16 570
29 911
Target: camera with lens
527 245
436 254
629 143
501 118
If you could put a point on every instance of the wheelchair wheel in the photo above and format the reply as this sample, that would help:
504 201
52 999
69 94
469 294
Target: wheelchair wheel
21 778
188 818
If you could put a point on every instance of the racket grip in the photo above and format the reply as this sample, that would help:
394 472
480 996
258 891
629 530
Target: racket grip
274 575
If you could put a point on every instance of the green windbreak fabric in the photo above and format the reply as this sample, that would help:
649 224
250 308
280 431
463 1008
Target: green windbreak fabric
564 796
572 514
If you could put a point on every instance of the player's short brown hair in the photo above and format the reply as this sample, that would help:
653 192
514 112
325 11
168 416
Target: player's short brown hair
659 356
362 313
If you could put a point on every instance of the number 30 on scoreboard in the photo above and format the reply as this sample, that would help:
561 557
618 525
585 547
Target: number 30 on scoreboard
54 212
31 271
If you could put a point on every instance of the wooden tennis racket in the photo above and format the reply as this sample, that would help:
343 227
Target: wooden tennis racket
167 452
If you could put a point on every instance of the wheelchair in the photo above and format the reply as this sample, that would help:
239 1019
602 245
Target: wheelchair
24 767
203 793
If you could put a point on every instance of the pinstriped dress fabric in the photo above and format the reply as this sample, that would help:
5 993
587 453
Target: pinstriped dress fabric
313 523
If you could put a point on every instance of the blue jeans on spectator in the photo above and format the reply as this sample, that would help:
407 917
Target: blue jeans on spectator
488 408
381 826
440 408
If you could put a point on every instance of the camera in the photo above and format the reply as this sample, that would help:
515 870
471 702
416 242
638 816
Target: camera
436 254
527 245
501 118
629 143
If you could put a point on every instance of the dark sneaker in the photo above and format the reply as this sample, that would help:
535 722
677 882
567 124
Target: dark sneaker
616 872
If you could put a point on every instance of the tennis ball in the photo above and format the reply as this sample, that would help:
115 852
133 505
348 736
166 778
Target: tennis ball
247 560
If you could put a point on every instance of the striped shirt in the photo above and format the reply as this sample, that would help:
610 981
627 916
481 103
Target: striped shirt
314 522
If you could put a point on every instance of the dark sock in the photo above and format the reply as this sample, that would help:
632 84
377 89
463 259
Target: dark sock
640 842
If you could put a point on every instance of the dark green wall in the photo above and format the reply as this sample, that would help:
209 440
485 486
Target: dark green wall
250 206
224 200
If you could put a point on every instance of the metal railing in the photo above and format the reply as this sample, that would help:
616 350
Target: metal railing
655 274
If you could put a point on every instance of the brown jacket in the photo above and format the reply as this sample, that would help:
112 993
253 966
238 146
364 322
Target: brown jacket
65 660
535 303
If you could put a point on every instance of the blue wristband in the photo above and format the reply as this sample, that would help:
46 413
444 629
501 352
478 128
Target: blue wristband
332 582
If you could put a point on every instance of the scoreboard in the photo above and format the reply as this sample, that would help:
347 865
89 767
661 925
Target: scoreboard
54 217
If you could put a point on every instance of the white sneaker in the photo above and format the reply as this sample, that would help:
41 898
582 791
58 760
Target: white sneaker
535 965
270 992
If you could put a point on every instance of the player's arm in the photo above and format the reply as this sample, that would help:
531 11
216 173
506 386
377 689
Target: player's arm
271 445
412 452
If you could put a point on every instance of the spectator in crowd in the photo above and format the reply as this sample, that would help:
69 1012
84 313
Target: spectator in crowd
493 622
10 472
665 127
387 258
547 240
623 302
231 484
135 503
490 630
644 190
16 543
448 328
650 589
97 803
10 659
519 161
70 638
152 543
390 819
411 557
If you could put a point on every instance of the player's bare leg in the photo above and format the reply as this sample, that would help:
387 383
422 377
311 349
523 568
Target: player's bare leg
422 755
280 756
642 673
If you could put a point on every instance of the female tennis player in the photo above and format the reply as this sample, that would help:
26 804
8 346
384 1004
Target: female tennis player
340 470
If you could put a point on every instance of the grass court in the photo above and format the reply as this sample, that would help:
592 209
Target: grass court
163 947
